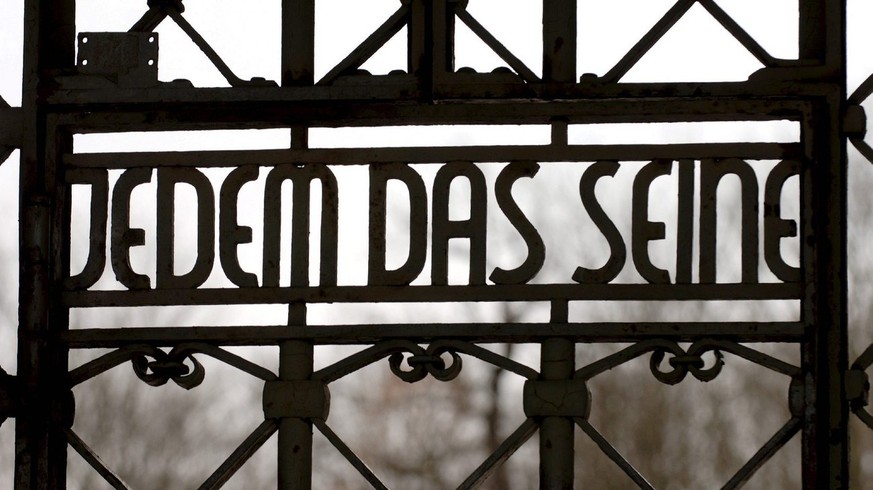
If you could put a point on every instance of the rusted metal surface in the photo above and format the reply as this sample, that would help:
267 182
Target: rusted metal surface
111 85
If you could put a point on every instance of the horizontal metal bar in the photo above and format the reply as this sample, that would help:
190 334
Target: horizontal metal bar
472 332
314 113
433 294
399 88
362 156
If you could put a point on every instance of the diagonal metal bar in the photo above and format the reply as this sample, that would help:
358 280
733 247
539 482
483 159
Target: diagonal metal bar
625 355
749 354
862 92
500 455
106 362
150 20
863 148
368 48
350 455
490 357
648 40
506 55
361 359
739 33
210 53
228 358
864 416
613 453
779 439
242 454
91 457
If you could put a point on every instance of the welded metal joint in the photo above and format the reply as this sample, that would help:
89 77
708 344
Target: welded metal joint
10 129
855 128
303 399
9 396
557 398
423 362
855 121
168 366
857 388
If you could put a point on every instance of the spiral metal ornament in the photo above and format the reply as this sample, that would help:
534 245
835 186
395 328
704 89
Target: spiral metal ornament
684 362
422 362
168 366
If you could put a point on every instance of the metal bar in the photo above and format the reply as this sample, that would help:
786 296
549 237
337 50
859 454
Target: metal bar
613 454
298 42
436 294
295 435
825 444
500 455
204 46
94 461
506 55
648 40
558 362
470 332
399 92
41 447
240 455
150 20
559 41
779 439
350 455
570 154
738 32
369 46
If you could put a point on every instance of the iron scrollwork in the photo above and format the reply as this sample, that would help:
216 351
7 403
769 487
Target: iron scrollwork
426 361
684 362
166 366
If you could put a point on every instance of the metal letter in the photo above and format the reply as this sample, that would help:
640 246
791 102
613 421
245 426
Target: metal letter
230 234
642 230
617 249
124 237
536 249
377 273
167 180
445 229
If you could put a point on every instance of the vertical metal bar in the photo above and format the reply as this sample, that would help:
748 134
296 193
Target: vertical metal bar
430 43
46 407
559 40
295 435
558 362
298 42
296 357
825 355
443 38
416 35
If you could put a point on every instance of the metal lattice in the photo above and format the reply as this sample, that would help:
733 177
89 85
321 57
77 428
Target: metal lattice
107 82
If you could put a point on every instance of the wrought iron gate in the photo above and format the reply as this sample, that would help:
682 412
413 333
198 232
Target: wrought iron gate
107 82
